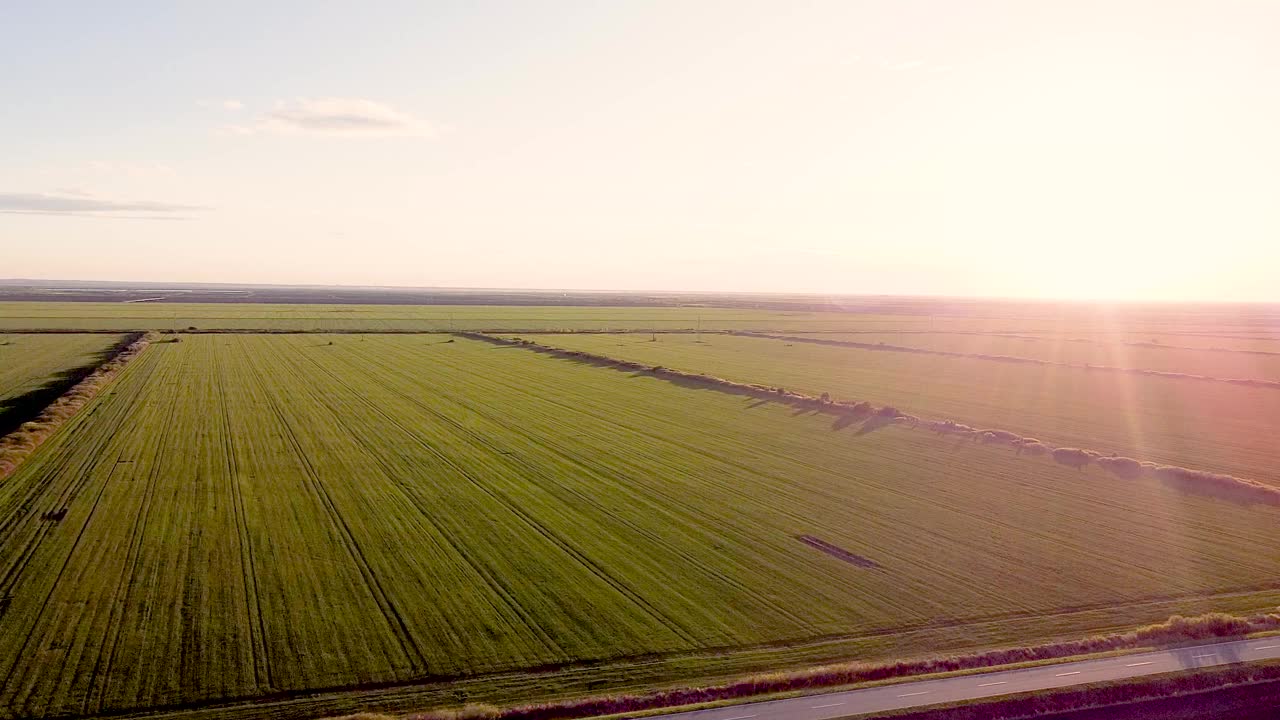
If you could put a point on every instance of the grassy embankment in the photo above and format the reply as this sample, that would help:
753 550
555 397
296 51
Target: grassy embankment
1221 428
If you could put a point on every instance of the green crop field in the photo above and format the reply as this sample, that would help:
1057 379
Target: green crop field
1178 325
1175 356
374 318
257 514
1211 426
31 363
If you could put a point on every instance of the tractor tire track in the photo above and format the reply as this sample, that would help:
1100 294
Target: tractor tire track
576 460
252 599
376 592
552 536
125 587
83 474
494 582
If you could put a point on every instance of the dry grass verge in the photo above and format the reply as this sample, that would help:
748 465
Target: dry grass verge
1176 630
18 445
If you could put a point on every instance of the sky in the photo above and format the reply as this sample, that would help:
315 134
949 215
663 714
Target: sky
1074 149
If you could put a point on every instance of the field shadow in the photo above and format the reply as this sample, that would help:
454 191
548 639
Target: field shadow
25 407
847 414
1243 495
874 423
843 421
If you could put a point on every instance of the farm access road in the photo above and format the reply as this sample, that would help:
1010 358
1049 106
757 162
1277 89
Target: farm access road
920 693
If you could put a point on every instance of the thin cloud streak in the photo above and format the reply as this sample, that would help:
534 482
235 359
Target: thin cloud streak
336 117
95 216
82 205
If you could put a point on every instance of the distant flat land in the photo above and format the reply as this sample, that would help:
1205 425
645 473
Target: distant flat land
255 514
1194 325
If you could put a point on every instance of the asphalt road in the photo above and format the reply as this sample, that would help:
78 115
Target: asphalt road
971 687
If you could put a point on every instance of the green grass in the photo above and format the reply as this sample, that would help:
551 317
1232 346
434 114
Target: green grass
1210 426
1176 356
255 514
1192 325
218 316
31 363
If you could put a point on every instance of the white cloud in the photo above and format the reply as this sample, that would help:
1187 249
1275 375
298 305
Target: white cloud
336 117
76 192
94 172
80 203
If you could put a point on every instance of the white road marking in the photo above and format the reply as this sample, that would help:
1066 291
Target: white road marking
1002 682
1149 662
1206 655
1077 672
926 692
741 717
815 707
1267 647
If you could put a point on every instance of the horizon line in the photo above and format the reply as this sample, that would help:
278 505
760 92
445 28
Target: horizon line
181 285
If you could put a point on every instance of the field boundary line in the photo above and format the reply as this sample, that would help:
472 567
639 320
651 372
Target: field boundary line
19 445
1218 485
